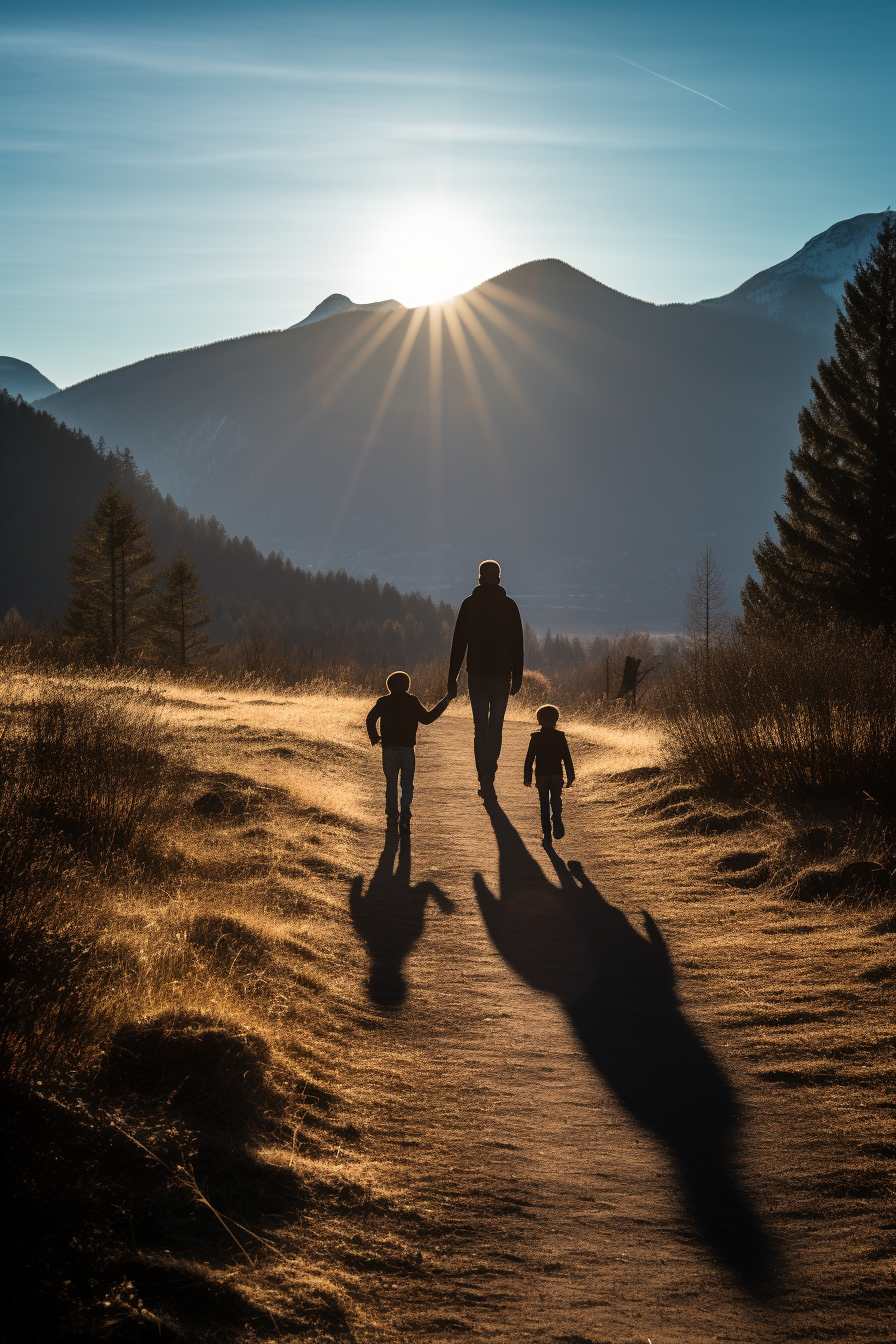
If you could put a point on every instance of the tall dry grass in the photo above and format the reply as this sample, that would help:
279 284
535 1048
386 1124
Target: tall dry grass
171 984
51 995
807 710
93 768
82 775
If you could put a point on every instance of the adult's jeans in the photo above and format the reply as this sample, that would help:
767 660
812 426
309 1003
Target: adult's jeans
399 761
488 700
550 795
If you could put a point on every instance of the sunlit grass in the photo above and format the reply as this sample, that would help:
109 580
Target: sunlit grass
224 940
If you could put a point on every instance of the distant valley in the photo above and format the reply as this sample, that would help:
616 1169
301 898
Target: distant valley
592 442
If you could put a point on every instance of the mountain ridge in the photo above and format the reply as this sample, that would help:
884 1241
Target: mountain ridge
21 378
593 441
341 303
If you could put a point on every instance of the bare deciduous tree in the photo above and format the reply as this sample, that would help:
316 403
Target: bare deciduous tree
705 603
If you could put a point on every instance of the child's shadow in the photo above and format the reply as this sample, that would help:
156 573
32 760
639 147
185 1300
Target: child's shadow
617 989
388 918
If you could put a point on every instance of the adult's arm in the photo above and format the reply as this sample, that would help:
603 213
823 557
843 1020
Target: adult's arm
425 715
459 642
371 724
516 648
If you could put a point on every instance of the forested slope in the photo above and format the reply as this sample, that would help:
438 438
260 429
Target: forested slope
50 479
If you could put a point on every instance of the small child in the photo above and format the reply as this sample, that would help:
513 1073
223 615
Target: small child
548 753
398 714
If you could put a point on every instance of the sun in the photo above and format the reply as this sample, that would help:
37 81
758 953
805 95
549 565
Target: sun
428 252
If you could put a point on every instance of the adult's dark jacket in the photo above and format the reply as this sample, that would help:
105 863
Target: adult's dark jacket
490 632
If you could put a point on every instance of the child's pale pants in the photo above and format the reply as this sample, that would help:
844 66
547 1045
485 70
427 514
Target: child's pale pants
399 761
550 795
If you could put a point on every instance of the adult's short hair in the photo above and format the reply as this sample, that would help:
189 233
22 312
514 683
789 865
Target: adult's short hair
489 567
398 681
548 715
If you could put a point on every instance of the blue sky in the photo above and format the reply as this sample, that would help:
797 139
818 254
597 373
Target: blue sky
176 175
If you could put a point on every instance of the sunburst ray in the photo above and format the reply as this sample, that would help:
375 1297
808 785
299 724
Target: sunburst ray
527 343
471 377
435 419
383 327
401 359
498 363
567 326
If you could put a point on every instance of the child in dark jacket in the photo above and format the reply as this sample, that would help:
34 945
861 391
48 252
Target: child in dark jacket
398 714
548 753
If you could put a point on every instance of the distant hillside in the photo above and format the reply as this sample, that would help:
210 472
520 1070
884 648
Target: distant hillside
50 480
804 291
21 379
592 442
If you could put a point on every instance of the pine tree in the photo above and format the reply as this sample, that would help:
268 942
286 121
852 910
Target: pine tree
109 572
837 551
179 617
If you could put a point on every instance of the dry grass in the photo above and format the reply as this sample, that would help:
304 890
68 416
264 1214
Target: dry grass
795 713
96 771
182 1108
178 998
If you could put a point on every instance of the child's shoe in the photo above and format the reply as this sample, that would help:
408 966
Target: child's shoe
559 829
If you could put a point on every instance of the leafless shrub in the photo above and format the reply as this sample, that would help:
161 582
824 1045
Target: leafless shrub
796 712
96 771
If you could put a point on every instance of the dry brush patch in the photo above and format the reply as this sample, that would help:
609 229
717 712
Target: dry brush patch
183 1138
791 714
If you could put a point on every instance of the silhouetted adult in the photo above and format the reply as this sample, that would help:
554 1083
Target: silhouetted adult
490 633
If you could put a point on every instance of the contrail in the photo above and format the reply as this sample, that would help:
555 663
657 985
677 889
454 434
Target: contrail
675 82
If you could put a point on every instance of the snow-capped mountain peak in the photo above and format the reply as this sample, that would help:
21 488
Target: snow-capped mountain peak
803 292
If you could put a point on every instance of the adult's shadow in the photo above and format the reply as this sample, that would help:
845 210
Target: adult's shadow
618 990
388 918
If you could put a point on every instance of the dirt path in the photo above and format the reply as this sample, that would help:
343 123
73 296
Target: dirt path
594 1164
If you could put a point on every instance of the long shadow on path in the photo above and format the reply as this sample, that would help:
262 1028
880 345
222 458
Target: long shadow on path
618 991
388 918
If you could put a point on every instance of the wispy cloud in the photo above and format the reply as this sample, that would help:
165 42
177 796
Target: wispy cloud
189 57
30 146
657 75
627 137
